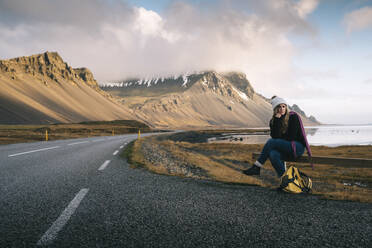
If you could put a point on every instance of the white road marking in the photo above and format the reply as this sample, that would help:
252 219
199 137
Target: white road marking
104 165
98 140
121 147
39 150
115 152
76 143
57 226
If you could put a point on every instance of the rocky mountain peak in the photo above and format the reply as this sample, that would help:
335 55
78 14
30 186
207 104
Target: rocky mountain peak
49 58
297 109
227 84
240 81
222 85
212 77
46 65
87 76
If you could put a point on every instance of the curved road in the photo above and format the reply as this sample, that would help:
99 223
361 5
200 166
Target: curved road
80 193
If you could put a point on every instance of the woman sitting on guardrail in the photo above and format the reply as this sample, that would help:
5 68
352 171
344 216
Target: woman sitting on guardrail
288 139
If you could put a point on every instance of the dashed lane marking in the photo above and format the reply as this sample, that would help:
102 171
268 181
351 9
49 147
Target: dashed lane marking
38 150
104 165
121 147
76 143
115 152
51 234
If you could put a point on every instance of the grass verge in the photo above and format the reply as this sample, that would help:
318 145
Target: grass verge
30 133
224 162
131 154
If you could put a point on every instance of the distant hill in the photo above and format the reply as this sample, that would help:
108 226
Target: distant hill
44 89
297 109
205 99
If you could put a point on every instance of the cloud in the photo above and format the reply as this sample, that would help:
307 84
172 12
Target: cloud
305 7
358 20
317 74
368 81
87 15
116 40
283 14
368 56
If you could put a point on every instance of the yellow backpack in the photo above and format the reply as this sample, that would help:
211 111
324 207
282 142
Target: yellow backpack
295 181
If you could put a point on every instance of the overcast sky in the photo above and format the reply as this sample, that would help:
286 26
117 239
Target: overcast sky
315 53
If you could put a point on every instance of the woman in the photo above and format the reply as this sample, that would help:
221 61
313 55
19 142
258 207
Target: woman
288 139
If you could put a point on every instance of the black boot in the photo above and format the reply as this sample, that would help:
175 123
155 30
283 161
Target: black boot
254 170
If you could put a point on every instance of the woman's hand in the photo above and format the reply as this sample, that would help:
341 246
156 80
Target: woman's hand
280 110
278 114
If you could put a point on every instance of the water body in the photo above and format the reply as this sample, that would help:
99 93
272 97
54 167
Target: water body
341 135
327 135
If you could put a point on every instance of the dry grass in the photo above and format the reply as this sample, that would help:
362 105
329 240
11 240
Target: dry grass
10 134
215 168
224 162
181 155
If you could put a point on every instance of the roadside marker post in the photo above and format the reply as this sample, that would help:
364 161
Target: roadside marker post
139 134
46 135
113 133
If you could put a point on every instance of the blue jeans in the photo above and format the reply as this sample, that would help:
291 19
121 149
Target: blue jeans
278 150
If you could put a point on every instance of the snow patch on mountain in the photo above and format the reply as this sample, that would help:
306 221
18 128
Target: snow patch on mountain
185 80
148 82
241 94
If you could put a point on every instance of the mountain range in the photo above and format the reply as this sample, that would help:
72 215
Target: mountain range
44 89
205 99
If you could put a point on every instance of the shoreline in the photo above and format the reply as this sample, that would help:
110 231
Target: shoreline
330 136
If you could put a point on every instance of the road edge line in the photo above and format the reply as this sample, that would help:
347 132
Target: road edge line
57 225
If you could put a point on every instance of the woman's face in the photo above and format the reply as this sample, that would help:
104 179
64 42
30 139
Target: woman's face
281 109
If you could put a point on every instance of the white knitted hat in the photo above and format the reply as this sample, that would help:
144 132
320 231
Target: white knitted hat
276 101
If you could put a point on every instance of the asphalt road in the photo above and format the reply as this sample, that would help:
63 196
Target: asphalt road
80 193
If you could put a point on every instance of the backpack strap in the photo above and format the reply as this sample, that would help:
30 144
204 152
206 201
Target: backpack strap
305 138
